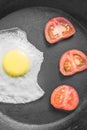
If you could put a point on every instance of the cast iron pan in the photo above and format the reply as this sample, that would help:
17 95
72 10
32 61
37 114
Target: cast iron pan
40 115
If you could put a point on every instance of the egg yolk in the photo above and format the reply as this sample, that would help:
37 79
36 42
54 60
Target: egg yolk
16 63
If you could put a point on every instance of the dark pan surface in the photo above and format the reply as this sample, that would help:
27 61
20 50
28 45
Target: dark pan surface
33 21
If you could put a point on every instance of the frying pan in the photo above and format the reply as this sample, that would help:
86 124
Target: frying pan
40 115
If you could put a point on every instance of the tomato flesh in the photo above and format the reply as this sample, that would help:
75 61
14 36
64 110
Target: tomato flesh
58 28
72 61
65 97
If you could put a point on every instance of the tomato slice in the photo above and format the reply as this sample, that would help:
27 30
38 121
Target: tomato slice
58 28
65 97
72 61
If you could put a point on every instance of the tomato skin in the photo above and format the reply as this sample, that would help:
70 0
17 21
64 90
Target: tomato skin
67 100
56 24
74 69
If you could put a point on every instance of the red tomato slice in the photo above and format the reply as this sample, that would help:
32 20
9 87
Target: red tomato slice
72 61
58 28
65 97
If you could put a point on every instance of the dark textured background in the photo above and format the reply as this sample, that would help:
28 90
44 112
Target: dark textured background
77 8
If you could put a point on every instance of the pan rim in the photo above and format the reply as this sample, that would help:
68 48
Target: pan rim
21 126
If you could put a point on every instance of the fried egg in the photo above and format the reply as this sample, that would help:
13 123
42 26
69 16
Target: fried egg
19 84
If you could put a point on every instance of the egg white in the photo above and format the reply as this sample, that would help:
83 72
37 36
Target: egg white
22 89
